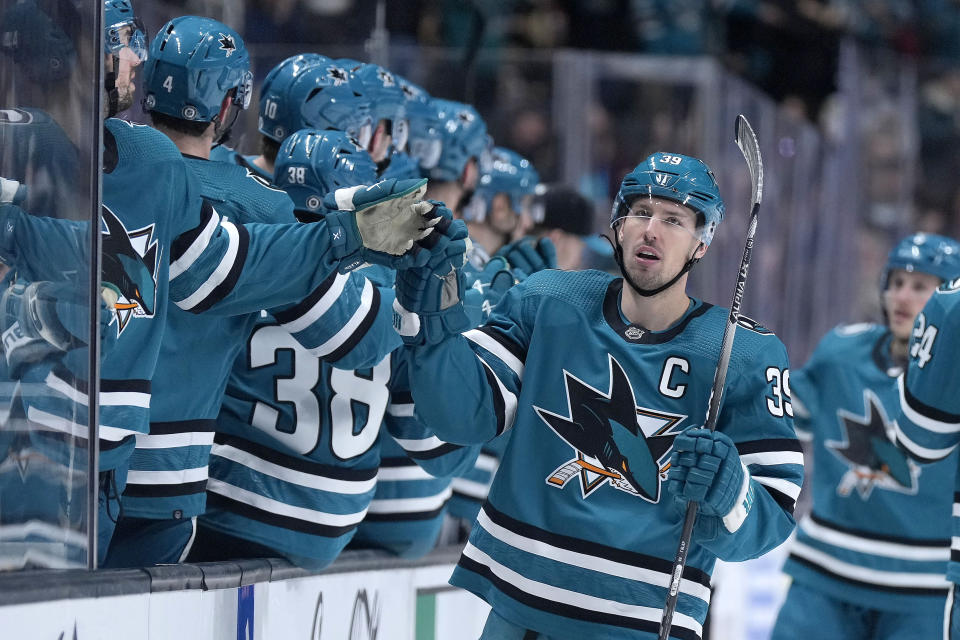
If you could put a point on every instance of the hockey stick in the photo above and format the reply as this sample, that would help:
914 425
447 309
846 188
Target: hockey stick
746 139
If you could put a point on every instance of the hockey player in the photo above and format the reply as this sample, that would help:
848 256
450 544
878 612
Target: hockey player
928 427
599 378
450 143
305 90
176 248
166 483
387 107
299 442
871 556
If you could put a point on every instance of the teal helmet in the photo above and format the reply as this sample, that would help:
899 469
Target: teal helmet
507 172
312 163
682 179
925 253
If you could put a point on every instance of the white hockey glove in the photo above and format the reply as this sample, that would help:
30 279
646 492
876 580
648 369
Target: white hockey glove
379 224
12 192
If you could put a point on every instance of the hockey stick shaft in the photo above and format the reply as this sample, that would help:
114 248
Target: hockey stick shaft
752 155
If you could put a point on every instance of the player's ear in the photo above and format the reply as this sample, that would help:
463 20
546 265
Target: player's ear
701 250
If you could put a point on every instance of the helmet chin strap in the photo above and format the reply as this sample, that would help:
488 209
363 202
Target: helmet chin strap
646 293
110 86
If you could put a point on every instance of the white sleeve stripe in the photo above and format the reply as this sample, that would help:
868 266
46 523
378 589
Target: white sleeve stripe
198 246
182 476
334 343
922 421
916 450
483 340
769 458
509 400
344 197
783 486
400 410
420 444
411 505
220 273
323 305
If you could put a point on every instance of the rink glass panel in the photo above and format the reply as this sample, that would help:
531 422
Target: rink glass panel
50 141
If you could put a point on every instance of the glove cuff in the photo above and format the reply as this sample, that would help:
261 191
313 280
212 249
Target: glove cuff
742 505
345 241
417 329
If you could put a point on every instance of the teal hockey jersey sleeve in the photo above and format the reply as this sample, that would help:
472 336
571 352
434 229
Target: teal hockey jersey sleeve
347 321
757 414
466 387
435 456
929 424
42 248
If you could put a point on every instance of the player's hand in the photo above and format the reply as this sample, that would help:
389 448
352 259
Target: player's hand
11 191
527 256
429 303
380 223
705 467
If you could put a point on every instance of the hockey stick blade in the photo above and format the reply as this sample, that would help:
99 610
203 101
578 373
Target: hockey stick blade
747 141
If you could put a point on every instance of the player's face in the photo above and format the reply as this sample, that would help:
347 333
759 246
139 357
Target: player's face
658 238
127 62
502 218
380 142
906 294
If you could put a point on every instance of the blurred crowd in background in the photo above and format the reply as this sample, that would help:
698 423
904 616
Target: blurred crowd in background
495 54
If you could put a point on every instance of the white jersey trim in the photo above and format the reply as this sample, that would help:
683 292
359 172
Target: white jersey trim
182 476
331 345
220 273
483 340
587 561
574 599
309 480
281 508
323 305
922 553
870 576
411 505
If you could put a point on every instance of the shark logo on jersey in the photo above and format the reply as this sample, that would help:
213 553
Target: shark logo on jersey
873 459
616 442
129 265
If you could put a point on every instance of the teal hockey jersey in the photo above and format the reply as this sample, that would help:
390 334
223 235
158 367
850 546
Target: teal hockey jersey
221 153
168 469
929 424
576 538
878 534
304 477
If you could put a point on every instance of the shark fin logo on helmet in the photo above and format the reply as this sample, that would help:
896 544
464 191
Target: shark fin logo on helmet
228 44
129 266
617 443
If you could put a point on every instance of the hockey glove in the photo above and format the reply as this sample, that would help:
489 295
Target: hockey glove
44 319
705 467
429 304
12 192
379 224
527 256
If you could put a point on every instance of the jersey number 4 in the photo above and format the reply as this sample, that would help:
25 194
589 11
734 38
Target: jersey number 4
357 402
923 336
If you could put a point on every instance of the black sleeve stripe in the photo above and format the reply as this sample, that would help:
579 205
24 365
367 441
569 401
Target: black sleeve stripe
223 289
515 349
364 327
293 313
187 238
295 463
434 453
926 410
786 503
401 397
499 407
